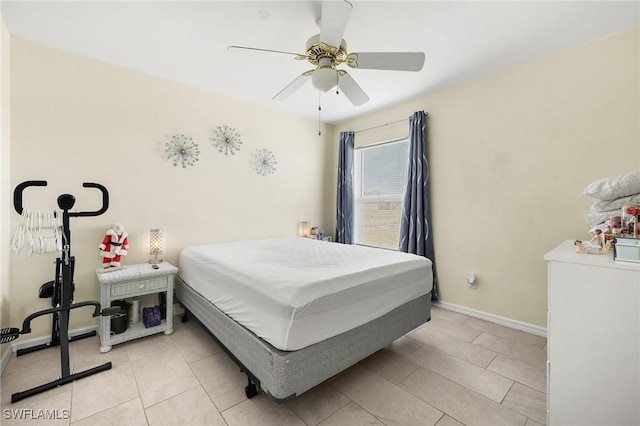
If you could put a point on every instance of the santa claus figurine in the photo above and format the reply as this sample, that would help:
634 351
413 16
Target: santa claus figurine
114 245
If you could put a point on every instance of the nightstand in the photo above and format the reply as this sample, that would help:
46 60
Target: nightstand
131 281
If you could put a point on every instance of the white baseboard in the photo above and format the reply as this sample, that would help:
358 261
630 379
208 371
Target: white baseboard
23 344
507 322
4 361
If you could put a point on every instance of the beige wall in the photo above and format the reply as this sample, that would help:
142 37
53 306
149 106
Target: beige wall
4 177
77 120
510 155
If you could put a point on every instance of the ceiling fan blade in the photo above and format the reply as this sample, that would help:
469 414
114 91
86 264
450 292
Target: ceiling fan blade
293 86
351 89
256 49
333 21
394 61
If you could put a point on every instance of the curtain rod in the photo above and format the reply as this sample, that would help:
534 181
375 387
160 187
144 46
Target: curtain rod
381 125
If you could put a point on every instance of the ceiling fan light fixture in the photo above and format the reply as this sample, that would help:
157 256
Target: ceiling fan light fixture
325 77
327 51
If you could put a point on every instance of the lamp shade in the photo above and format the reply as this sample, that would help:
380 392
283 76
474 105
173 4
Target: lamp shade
156 241
303 228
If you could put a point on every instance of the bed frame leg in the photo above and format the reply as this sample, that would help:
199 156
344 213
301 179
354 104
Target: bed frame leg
250 390
185 316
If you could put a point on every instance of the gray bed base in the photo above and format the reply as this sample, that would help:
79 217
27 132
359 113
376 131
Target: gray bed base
283 375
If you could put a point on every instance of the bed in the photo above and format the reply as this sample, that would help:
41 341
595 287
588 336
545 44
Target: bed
293 312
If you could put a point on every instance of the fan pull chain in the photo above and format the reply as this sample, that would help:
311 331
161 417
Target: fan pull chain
319 110
337 83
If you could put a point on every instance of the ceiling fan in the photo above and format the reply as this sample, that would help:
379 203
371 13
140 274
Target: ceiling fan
327 50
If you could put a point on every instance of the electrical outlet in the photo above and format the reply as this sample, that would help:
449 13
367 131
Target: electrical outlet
471 281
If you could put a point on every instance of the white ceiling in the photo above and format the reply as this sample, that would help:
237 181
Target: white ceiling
187 41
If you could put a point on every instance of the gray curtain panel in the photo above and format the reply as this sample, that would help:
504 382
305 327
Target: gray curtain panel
415 229
344 214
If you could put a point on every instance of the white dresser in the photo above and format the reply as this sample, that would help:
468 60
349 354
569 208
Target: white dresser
593 350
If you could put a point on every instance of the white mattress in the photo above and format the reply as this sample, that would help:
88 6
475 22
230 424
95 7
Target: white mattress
293 292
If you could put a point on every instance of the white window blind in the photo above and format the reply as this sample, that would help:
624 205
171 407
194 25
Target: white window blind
379 186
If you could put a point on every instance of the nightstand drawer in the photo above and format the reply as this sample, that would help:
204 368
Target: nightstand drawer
130 288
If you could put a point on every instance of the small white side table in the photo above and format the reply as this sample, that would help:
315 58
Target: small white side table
130 281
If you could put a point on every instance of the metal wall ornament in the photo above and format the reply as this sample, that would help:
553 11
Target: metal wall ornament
263 162
226 139
182 150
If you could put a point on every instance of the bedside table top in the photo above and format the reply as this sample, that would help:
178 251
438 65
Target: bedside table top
132 272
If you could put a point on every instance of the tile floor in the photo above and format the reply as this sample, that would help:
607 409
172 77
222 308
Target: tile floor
453 370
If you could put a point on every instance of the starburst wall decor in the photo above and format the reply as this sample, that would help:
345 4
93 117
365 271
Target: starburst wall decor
226 139
182 150
263 162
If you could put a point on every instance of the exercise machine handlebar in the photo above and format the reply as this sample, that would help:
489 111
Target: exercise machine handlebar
65 201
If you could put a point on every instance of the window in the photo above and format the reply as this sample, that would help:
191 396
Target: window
379 185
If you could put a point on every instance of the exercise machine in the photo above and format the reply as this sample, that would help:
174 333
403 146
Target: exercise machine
61 294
